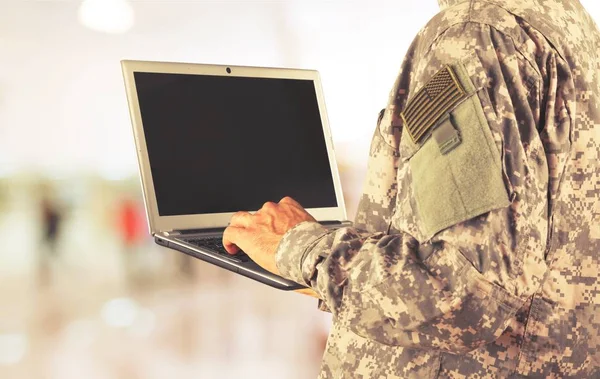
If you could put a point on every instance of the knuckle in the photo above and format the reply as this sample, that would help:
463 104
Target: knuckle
239 215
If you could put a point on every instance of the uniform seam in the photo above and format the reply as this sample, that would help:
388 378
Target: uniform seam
437 371
524 353
559 186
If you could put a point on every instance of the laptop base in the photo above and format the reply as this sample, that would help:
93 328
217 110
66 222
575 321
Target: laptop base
246 268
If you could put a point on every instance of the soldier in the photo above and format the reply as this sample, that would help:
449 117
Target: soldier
476 248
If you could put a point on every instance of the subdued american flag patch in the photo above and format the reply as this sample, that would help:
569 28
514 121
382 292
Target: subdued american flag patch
442 92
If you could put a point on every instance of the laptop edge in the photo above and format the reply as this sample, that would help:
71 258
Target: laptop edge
168 230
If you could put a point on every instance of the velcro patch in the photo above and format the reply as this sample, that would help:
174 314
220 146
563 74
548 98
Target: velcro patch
442 92
446 136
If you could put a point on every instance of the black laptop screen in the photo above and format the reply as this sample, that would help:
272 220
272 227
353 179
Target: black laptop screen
221 144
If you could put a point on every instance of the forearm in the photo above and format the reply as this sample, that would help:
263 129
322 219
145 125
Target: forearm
396 291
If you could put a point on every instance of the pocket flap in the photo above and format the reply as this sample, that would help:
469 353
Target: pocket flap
456 166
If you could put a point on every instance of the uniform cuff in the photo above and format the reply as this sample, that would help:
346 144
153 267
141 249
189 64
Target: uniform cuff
295 245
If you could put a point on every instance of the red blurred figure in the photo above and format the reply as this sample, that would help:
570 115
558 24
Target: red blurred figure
131 223
131 229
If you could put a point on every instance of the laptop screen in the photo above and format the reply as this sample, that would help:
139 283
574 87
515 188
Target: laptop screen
220 144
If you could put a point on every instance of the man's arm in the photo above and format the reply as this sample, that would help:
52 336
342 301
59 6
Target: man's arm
459 288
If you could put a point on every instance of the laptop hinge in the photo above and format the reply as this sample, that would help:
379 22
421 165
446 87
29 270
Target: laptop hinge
194 231
217 230
330 223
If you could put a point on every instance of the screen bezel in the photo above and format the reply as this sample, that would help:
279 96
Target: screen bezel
157 223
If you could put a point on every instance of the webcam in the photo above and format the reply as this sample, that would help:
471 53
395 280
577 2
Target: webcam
228 70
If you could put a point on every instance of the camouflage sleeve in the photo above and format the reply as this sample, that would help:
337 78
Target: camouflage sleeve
439 273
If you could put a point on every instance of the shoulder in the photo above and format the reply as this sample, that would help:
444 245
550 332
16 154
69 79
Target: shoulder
461 21
476 31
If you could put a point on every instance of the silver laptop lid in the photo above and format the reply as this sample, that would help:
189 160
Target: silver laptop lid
212 140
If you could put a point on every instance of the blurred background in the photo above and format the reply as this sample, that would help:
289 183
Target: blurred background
84 292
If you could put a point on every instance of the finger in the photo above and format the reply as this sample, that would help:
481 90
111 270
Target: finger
231 237
290 201
269 206
241 219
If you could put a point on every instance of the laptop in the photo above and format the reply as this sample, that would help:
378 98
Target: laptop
213 140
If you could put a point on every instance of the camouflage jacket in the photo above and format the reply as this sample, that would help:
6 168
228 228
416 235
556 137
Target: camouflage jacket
476 248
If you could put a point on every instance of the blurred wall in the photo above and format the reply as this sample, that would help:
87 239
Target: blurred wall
62 100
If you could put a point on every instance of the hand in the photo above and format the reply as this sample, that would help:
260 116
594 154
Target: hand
259 234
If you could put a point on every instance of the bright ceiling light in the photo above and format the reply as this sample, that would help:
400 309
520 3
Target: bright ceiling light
108 16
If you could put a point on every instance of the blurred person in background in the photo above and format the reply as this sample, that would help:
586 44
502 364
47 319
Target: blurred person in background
140 260
51 221
476 246
131 230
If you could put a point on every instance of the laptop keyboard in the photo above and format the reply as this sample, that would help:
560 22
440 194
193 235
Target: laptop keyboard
215 244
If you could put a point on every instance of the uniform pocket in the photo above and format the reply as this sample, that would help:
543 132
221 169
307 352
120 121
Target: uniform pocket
457 168
445 304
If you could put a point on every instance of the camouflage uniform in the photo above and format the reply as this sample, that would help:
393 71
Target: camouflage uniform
476 248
